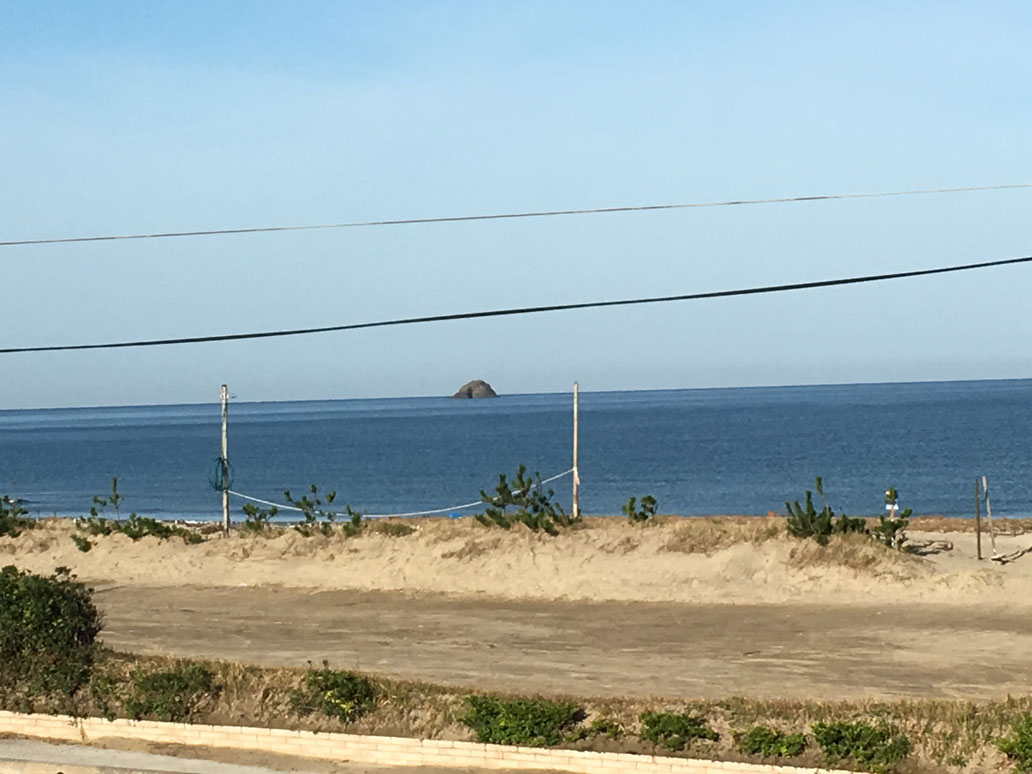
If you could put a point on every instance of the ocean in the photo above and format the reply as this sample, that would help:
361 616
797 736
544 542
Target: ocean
697 451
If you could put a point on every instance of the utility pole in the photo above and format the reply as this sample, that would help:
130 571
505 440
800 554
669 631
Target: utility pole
576 473
224 461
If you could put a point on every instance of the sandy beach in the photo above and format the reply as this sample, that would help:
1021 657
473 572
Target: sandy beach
719 560
735 607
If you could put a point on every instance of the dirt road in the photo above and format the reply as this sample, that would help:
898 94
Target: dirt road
607 648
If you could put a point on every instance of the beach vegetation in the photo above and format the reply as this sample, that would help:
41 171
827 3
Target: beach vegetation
606 726
394 529
96 524
318 520
169 694
526 722
891 529
674 730
81 542
338 694
639 513
523 500
12 517
257 519
768 742
877 747
1018 745
352 526
806 521
48 631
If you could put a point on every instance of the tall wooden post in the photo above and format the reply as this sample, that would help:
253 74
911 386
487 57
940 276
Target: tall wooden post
224 393
978 521
576 470
989 514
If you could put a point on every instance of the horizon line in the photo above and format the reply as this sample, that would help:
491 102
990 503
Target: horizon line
523 394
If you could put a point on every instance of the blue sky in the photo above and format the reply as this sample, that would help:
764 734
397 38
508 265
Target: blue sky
123 117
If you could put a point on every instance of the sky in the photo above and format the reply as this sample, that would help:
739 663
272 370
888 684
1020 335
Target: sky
129 117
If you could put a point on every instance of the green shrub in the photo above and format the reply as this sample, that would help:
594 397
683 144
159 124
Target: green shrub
169 694
607 727
353 526
642 514
891 529
876 747
771 743
343 695
527 722
318 520
394 529
1018 746
12 517
48 627
805 521
257 519
531 505
136 527
674 730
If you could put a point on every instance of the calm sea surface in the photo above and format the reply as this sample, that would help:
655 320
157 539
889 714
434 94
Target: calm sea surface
706 451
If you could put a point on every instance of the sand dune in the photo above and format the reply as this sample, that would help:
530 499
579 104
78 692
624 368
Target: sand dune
704 560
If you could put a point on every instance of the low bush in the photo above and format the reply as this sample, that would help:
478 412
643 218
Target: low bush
169 694
12 517
319 520
891 530
674 730
530 505
48 628
878 747
805 521
257 519
1018 746
136 527
343 695
394 529
527 722
607 727
771 743
641 514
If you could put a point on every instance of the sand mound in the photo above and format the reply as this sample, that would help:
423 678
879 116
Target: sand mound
706 560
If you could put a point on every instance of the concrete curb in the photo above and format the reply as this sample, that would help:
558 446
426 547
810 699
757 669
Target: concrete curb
398 751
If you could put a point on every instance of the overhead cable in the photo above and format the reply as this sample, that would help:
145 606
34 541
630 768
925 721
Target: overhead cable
752 291
513 215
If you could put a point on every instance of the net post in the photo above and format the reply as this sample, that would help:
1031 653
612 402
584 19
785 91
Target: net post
576 473
224 395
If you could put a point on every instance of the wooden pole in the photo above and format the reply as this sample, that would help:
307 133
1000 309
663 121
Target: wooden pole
989 514
224 394
576 472
978 521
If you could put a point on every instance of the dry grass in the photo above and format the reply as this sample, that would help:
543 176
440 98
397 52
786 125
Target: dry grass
708 534
858 553
944 732
944 524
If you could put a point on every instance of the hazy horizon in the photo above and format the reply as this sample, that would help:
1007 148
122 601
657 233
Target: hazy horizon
583 390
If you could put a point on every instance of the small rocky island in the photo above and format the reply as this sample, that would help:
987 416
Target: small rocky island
478 388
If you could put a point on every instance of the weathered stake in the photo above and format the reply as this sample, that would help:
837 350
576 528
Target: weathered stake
978 521
224 393
576 473
989 514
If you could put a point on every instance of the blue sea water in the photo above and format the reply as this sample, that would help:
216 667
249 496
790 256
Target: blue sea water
698 451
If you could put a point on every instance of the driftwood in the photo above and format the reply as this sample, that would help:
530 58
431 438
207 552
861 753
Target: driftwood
923 547
1005 558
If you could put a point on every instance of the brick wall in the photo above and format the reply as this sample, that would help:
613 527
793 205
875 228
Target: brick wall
374 749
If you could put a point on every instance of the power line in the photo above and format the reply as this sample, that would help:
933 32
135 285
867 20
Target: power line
513 215
528 309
